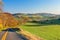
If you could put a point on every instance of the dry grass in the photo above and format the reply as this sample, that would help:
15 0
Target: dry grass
30 36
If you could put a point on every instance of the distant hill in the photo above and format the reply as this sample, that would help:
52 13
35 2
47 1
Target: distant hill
45 14
40 14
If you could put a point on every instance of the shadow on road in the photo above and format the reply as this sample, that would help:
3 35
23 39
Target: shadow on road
12 33
12 29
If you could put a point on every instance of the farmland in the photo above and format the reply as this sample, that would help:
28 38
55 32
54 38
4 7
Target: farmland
47 32
46 27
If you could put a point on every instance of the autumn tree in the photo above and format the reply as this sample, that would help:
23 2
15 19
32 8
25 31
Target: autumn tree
8 20
23 19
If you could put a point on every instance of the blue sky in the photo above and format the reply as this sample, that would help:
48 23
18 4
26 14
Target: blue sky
32 6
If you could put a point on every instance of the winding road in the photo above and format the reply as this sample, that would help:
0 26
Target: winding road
12 35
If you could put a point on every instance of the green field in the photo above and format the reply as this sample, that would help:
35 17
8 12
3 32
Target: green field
47 32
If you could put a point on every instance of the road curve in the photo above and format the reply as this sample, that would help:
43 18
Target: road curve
15 36
11 35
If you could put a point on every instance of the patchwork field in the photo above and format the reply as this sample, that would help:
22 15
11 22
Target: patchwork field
47 32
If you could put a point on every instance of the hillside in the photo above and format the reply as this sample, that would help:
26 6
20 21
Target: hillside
40 15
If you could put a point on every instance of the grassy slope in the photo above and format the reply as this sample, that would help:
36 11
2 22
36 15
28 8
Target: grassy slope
50 32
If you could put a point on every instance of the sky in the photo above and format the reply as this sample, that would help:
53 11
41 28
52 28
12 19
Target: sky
32 6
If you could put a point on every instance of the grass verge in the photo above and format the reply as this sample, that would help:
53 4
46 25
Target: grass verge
47 32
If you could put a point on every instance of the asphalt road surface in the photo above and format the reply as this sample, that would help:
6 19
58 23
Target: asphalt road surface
1 34
15 36
12 35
